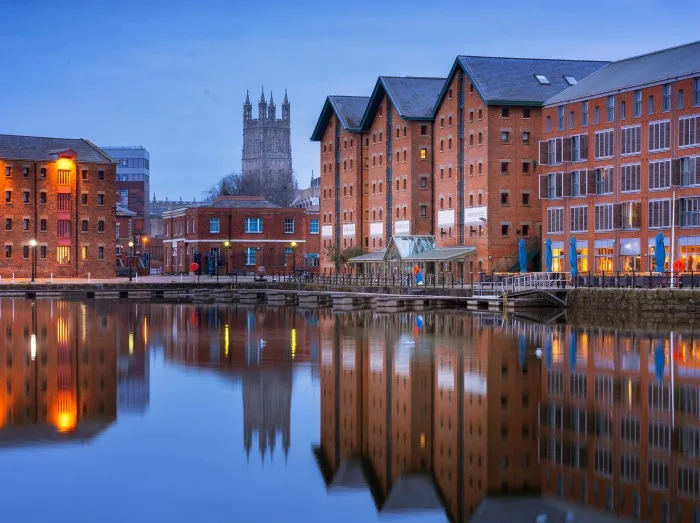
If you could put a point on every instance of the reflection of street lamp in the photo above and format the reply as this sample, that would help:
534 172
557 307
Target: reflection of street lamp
227 244
147 257
32 244
130 256
294 259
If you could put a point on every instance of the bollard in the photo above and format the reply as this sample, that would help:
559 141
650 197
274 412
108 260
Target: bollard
88 277
13 277
180 278
136 276
51 278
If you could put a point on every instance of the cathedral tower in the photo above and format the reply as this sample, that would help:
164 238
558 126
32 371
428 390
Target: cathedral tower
267 149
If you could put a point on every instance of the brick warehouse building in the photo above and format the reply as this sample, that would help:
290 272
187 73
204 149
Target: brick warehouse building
62 193
343 155
467 155
620 163
243 233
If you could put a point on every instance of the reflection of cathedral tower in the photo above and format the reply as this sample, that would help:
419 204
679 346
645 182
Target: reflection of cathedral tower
267 401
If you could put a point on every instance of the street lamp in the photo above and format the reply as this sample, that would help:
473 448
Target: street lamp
32 244
130 256
294 259
227 244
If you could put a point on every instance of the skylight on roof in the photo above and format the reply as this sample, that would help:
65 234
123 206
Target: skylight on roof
570 80
542 79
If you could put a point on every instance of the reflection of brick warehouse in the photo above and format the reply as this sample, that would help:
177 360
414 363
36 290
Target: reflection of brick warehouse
417 430
614 433
54 379
133 365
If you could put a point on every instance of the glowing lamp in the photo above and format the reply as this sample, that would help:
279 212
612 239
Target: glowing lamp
66 422
64 164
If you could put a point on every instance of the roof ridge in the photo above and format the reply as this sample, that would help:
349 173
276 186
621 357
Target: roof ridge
533 58
347 96
651 53
415 77
97 149
41 137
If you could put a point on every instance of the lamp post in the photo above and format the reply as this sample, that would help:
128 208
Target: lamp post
32 244
130 256
294 259
227 244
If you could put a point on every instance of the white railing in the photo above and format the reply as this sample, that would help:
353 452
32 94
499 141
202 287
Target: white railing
525 282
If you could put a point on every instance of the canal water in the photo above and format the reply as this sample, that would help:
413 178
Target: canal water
222 413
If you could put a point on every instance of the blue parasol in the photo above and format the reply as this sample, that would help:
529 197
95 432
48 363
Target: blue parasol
522 255
572 351
548 351
660 253
659 360
573 257
522 350
548 255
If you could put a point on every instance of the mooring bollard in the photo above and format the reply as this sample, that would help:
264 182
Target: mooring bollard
13 277
51 279
88 277
180 278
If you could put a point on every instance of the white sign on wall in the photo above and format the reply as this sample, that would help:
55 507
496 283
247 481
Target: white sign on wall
446 217
446 379
376 357
376 229
402 227
474 215
474 383
327 231
327 357
349 357
349 229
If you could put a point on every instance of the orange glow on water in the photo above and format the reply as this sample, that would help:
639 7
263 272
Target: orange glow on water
66 421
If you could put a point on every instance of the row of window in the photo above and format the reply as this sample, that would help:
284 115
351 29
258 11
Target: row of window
63 199
64 226
63 175
63 253
663 174
252 226
637 107
626 216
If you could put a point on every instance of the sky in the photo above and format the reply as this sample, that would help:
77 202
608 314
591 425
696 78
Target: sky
172 75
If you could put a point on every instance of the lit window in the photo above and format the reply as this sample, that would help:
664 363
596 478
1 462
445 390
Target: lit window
63 255
423 153
542 79
83 252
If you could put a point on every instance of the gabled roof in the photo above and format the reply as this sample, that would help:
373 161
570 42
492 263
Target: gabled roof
413 97
349 110
35 148
651 68
512 81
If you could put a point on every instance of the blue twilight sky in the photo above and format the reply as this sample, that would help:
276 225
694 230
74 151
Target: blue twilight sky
172 75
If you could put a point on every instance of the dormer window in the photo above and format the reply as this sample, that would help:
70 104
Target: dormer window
542 79
570 80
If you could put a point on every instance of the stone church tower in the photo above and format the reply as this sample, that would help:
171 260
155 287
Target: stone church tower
267 149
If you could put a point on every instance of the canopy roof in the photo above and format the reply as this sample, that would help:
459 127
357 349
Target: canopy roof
442 254
414 249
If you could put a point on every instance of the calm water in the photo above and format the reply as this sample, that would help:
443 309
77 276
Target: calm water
138 412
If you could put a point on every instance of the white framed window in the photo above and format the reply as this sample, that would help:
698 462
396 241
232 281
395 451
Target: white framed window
611 108
666 98
689 131
637 103
629 467
603 462
288 225
604 180
604 144
584 114
604 217
659 175
213 226
631 142
578 383
629 430
659 136
579 218
631 215
250 254
659 214
254 225
689 481
578 183
313 226
658 475
659 435
579 147
689 211
696 91
555 220
631 178
560 119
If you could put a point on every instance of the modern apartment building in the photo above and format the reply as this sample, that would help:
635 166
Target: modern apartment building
620 163
133 184
59 208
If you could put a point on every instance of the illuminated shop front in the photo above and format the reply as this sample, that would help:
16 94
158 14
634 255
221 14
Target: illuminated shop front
689 252
557 256
582 256
604 252
651 259
630 255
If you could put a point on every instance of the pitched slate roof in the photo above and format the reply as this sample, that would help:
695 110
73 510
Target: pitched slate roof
511 81
349 110
413 97
36 148
683 60
243 202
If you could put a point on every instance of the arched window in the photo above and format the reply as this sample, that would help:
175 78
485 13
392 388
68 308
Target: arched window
442 145
380 214
380 159
380 189
404 211
398 156
351 164
398 132
374 214
345 165
398 211
374 138
397 184
404 155
442 201
351 193
404 131
380 137
404 184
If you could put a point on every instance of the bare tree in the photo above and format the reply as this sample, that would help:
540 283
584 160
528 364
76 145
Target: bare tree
273 189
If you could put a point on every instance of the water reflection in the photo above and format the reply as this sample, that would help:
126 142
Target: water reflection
455 410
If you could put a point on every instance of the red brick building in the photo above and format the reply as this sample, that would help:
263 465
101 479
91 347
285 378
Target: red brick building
343 157
620 163
487 126
61 193
242 233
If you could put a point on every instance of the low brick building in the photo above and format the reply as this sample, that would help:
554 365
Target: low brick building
60 193
239 233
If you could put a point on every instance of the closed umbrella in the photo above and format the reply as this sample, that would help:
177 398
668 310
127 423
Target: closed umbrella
573 257
548 351
659 360
572 351
660 253
522 350
548 255
522 255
